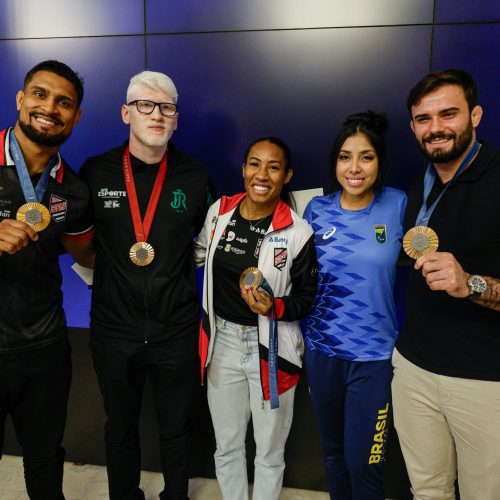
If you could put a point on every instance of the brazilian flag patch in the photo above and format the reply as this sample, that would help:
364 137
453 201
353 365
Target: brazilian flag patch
380 233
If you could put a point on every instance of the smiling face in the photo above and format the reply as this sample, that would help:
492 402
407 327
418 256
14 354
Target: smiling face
357 171
153 130
443 125
48 109
265 172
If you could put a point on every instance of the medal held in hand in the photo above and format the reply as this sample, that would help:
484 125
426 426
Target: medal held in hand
33 212
142 253
420 240
251 277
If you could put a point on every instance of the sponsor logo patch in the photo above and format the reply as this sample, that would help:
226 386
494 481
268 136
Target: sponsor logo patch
58 208
280 256
107 193
111 204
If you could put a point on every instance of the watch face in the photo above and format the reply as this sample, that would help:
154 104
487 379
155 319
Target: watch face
477 284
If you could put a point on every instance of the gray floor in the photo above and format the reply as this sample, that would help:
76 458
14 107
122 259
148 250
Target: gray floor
88 482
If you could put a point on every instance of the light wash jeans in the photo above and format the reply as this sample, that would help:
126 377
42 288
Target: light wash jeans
235 393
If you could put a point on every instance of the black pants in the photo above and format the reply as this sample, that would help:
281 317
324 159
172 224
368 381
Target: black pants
122 367
34 389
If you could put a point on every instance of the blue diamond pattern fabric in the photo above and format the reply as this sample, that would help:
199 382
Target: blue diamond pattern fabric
354 316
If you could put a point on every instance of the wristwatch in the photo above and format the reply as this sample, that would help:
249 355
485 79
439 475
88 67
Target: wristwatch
477 285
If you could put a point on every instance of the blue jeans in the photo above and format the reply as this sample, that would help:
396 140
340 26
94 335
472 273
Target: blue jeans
235 394
352 404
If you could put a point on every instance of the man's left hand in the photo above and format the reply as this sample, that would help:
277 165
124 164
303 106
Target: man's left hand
443 272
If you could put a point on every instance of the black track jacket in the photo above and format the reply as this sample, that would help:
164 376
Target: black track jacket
159 301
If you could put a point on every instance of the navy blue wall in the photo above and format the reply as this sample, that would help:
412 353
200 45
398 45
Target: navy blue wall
250 68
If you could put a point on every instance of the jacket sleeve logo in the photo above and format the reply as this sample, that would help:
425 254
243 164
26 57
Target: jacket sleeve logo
280 256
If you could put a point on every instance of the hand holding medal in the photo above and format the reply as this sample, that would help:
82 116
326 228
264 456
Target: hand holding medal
35 215
260 302
15 235
250 280
419 241
33 212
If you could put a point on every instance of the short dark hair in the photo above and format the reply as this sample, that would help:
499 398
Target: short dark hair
280 143
372 125
433 81
60 69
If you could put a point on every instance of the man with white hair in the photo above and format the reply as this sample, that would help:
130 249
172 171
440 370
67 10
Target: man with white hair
149 200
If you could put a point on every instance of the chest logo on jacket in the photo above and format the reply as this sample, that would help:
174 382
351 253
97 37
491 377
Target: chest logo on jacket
329 233
58 208
110 193
280 258
179 201
380 232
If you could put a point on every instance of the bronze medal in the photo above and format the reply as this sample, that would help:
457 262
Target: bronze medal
420 240
251 277
142 253
34 214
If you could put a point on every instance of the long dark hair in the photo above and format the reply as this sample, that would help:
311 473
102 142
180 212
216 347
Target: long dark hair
280 143
372 125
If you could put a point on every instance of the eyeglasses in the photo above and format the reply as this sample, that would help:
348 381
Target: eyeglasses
147 107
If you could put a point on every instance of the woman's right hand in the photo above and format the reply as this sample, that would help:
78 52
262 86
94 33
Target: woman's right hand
259 301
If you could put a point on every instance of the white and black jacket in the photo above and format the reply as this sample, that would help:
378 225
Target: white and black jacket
287 259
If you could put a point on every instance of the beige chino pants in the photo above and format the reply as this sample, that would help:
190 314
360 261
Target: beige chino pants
445 424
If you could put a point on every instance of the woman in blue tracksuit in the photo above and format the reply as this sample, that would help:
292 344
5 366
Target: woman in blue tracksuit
352 327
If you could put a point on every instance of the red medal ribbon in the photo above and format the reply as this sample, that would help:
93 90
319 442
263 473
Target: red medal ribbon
141 228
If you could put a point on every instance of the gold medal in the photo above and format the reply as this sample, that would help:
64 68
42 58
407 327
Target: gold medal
35 214
142 253
251 277
420 240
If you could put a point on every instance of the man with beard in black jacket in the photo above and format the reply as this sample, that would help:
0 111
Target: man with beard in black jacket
446 382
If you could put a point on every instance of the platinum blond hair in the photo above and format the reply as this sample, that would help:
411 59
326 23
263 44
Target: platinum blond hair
153 80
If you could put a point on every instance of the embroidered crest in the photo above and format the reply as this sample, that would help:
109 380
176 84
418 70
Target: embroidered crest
380 233
58 208
280 256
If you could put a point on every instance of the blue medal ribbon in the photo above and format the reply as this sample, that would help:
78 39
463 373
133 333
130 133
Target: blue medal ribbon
31 194
430 175
272 363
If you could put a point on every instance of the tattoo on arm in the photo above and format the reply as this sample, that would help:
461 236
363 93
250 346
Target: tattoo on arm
491 296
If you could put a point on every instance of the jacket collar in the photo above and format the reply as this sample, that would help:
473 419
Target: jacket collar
6 159
282 216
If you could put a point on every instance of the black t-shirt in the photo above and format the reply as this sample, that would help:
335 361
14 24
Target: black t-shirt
238 249
31 313
443 334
